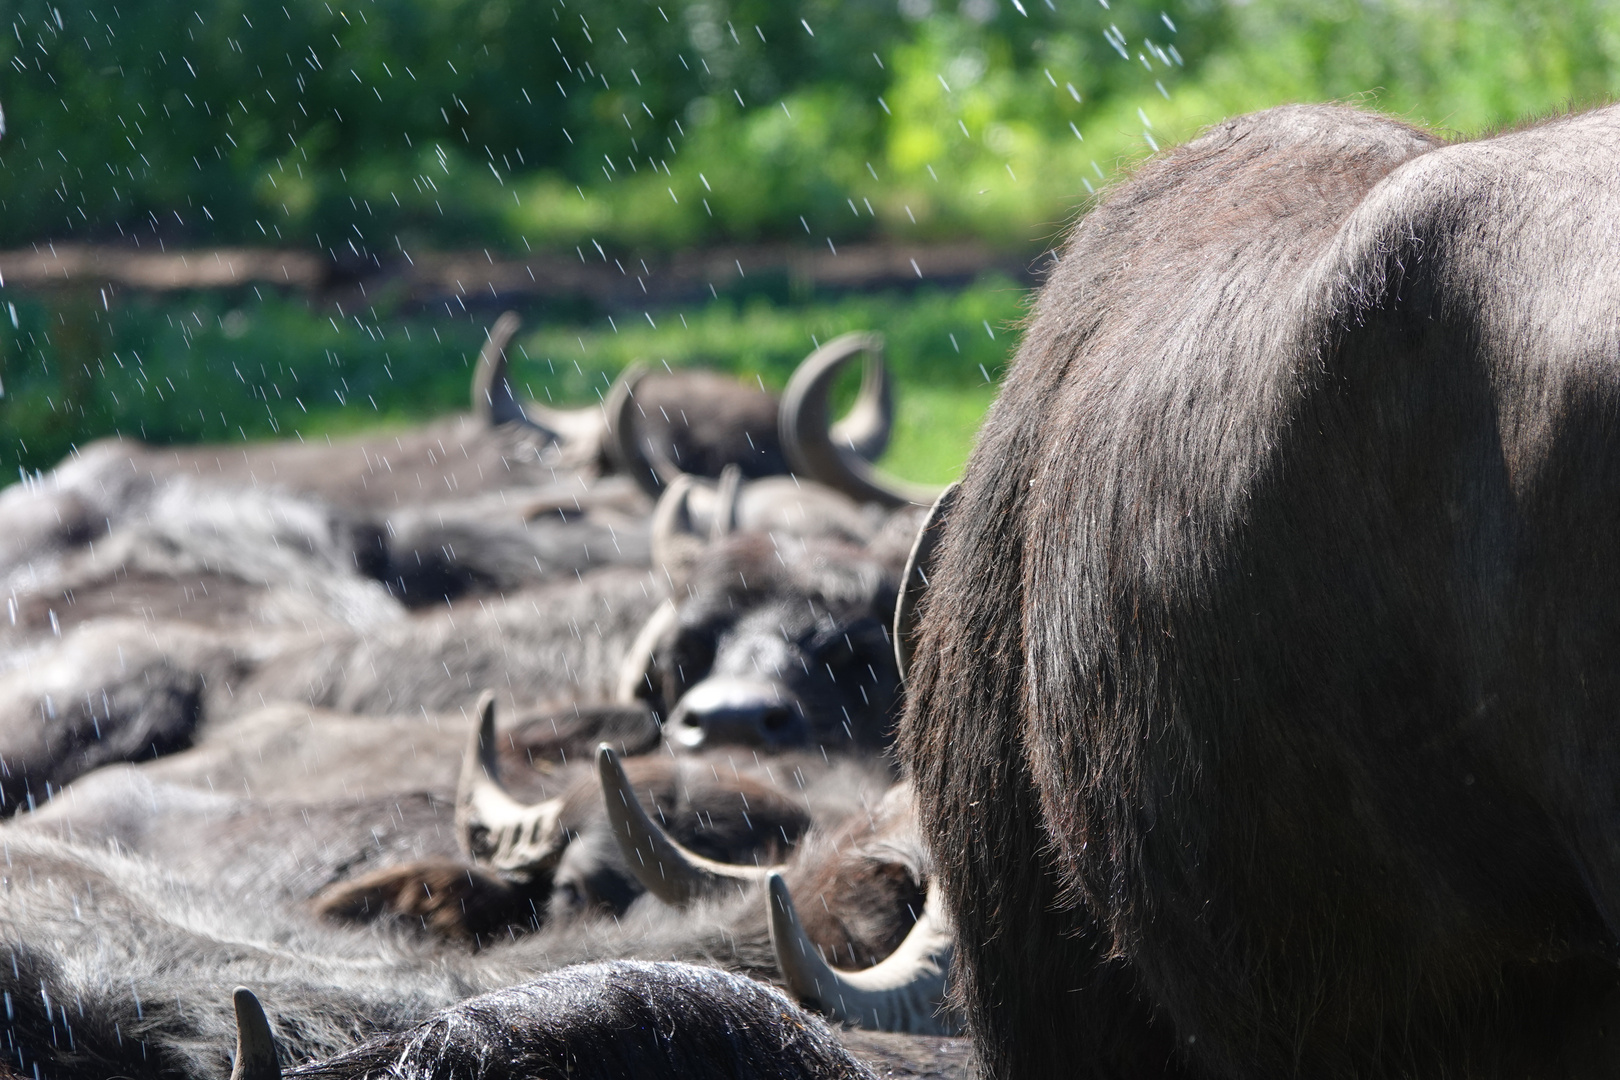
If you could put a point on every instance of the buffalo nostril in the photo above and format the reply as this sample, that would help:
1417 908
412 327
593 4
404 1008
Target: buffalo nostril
724 709
688 731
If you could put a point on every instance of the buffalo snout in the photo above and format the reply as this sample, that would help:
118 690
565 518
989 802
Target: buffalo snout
745 711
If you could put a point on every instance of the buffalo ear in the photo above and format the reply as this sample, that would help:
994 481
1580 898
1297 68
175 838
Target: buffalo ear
914 581
447 898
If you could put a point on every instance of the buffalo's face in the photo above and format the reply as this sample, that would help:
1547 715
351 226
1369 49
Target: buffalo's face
781 653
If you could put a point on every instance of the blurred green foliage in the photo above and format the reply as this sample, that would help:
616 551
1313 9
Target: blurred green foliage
389 123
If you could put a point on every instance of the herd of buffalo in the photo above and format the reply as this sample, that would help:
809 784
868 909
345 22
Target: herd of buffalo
1249 709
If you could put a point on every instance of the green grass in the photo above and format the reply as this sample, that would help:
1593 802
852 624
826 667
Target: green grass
296 123
934 431
229 367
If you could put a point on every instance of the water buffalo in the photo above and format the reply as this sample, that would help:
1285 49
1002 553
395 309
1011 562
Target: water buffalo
123 689
364 816
542 856
1261 717
509 494
785 640
212 557
119 969
613 1021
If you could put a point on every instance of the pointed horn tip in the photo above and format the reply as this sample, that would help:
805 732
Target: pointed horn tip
807 437
665 868
784 916
501 334
255 1045
852 997
480 761
623 449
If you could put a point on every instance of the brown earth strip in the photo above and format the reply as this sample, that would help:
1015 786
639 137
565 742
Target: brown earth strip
432 277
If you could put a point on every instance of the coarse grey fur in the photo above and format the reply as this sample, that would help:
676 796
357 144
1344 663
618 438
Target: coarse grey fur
565 640
139 964
121 689
209 556
109 690
503 541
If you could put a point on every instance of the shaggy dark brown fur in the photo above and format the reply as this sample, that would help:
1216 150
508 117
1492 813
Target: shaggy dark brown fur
701 421
1262 720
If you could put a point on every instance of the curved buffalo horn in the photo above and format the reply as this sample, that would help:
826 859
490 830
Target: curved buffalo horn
866 428
676 876
915 580
810 443
255 1046
635 670
579 431
677 539
647 465
725 502
903 992
494 829
491 390
692 512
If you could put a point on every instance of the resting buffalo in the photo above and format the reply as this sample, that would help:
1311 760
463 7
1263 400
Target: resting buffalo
616 1021
1263 714
511 493
117 969
784 641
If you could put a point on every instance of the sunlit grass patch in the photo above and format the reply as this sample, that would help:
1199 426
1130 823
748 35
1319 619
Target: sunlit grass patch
221 368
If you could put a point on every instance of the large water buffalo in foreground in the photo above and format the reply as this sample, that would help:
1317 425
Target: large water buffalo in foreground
1263 710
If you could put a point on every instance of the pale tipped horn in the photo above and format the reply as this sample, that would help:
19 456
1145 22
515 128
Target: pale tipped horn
809 441
915 579
725 502
903 992
676 876
866 428
693 511
647 465
494 829
579 432
677 538
635 672
491 389
255 1046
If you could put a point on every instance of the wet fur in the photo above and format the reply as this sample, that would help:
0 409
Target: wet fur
621 1021
139 964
